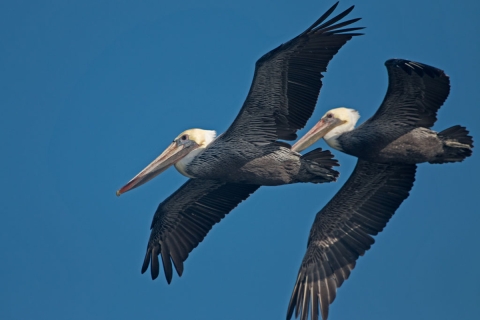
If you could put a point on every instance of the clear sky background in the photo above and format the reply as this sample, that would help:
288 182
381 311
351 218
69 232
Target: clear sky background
92 91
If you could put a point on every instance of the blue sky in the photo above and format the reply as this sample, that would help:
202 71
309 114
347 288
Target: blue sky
92 91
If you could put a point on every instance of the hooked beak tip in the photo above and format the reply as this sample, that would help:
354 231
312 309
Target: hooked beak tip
118 193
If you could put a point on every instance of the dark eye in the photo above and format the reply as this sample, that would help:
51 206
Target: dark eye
184 137
329 115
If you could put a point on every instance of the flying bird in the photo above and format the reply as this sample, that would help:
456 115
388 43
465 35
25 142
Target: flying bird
225 170
388 146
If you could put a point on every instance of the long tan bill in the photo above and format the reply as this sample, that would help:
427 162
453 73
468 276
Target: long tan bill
168 157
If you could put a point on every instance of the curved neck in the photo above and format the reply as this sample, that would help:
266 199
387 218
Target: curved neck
182 165
333 137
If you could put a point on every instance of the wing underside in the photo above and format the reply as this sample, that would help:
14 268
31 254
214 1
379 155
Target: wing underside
183 220
343 230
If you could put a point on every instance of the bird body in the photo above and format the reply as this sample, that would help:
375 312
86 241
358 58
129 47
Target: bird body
399 132
416 146
424 145
270 165
388 146
225 170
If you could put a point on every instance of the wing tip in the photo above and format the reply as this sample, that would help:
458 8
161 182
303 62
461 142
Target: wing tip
417 67
308 298
155 267
146 260
329 25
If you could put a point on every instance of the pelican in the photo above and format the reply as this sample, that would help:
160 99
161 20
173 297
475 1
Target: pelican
225 170
388 146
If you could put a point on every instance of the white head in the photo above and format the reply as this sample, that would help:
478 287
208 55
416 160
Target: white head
202 138
184 148
330 127
348 119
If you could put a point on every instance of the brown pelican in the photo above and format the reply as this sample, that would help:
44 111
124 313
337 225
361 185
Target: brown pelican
388 145
227 169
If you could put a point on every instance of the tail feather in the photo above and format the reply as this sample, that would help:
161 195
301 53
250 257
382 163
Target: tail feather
458 133
320 162
324 157
458 144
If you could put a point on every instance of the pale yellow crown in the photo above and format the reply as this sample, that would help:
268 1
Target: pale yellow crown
202 137
345 114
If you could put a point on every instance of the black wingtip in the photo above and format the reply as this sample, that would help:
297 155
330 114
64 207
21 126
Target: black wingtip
323 17
146 261
167 263
410 66
152 256
318 25
292 303
335 19
155 267
177 263
335 28
348 30
293 300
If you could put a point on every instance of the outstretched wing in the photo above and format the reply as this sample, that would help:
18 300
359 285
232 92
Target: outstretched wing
415 93
184 219
342 232
287 82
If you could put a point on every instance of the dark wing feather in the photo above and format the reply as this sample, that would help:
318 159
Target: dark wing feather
415 93
343 230
287 82
184 219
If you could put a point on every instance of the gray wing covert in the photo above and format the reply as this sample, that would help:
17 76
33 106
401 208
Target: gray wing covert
184 219
343 230
287 82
